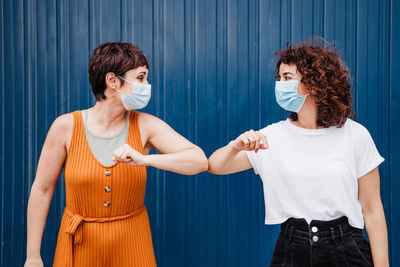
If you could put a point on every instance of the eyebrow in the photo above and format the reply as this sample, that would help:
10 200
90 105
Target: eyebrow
143 72
286 73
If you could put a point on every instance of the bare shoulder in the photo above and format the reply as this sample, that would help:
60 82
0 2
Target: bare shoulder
148 118
63 123
61 129
152 129
145 122
150 123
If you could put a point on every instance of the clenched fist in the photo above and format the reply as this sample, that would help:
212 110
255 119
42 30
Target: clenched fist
250 140
126 154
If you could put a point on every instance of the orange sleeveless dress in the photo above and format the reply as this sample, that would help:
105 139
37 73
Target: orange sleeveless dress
105 222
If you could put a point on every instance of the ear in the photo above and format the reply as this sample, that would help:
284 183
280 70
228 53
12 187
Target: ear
311 90
112 81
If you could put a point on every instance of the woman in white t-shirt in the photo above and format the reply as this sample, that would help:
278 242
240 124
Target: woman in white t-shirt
319 167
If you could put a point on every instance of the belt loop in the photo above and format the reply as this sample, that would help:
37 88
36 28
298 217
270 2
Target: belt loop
286 228
341 232
332 234
291 233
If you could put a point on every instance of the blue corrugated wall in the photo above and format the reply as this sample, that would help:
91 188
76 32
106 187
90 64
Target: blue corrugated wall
212 73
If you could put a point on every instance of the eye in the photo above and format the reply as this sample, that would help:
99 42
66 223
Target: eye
140 78
286 78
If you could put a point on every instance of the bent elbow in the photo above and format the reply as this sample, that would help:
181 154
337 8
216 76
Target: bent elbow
197 162
212 168
205 165
202 162
202 165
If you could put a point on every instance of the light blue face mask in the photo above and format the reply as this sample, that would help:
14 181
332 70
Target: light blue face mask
138 98
287 96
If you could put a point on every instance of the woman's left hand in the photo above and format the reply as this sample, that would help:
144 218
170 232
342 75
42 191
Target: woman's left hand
126 154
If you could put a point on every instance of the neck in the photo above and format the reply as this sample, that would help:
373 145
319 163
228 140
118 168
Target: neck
107 114
308 114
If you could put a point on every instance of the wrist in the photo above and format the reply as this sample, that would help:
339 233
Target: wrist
383 262
146 160
232 147
33 255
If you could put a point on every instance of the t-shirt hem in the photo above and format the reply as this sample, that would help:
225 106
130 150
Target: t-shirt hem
275 221
282 220
372 166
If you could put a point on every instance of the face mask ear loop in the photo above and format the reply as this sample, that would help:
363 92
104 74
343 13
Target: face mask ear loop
309 91
123 80
116 88
118 91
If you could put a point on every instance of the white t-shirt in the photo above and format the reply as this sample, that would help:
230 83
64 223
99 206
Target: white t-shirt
313 173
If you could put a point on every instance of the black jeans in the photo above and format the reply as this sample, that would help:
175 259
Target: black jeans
322 243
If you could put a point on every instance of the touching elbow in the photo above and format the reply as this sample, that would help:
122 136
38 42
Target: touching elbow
204 165
200 163
212 168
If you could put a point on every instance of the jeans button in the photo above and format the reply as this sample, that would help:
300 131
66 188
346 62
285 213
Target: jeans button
314 229
315 238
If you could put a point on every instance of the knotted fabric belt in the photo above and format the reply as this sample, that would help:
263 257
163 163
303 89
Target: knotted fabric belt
74 227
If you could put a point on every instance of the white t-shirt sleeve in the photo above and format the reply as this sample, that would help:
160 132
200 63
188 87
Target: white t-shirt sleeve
256 159
366 153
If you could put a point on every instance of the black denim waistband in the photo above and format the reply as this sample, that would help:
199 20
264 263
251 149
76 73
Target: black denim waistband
318 232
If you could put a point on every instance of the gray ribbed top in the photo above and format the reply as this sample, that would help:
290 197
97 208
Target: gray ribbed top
103 147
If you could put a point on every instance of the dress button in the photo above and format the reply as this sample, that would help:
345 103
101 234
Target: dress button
106 204
314 229
315 238
107 172
107 189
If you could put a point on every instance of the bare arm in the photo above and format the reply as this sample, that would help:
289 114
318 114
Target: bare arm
177 153
232 158
374 217
50 164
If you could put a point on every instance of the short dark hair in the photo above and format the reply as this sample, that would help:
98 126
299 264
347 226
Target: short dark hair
116 57
324 72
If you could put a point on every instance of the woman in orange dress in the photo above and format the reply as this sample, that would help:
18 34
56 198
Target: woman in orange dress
104 151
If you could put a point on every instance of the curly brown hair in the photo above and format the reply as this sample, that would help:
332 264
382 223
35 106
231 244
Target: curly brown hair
327 78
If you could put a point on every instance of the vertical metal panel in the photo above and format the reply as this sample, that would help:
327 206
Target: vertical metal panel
212 72
393 85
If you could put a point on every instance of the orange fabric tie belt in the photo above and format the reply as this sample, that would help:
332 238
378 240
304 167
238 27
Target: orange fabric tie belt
74 227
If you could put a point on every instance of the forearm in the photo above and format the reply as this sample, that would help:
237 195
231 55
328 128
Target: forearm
38 208
375 225
187 162
221 160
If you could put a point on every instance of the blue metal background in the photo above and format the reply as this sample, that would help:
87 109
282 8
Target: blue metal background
212 73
